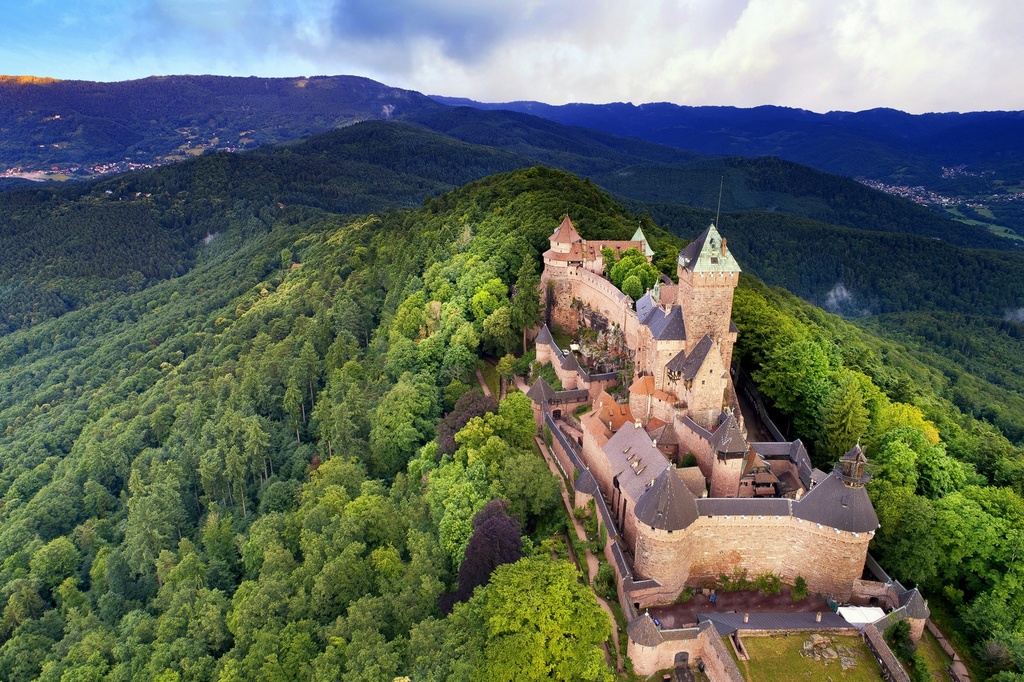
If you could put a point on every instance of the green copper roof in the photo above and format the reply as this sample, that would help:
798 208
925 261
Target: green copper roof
705 254
638 236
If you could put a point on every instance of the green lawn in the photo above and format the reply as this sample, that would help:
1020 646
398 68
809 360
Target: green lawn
490 373
934 657
779 658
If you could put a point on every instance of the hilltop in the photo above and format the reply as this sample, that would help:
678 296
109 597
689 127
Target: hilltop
249 447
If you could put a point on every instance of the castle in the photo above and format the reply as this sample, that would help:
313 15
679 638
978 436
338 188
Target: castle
758 507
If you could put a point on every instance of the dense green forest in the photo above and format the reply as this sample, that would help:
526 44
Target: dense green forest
138 228
234 474
272 466
948 488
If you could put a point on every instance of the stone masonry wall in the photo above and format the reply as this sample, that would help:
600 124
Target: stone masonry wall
707 308
831 562
828 560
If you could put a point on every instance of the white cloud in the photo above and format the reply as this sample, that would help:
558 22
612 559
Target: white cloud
916 55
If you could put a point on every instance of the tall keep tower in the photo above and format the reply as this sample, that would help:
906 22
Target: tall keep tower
708 275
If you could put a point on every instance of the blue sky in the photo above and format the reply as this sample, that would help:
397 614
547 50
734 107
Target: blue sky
915 55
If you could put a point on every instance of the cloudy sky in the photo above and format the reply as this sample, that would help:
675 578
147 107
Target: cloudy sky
915 55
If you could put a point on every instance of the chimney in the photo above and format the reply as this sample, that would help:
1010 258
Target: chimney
817 617
746 617
724 250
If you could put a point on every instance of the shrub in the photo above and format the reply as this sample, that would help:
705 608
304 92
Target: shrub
799 590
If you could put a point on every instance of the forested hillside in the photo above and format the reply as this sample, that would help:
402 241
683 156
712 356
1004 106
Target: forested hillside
884 144
83 124
63 247
138 228
947 487
233 474
273 467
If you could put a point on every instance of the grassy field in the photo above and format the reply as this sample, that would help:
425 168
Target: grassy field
490 373
935 658
779 659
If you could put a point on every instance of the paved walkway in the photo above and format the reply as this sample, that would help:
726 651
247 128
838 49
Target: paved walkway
483 384
592 563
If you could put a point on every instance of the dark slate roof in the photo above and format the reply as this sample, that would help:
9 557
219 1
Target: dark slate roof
729 437
544 336
694 480
708 253
833 503
644 306
797 454
690 252
541 392
696 358
915 604
668 327
570 362
634 459
677 363
669 504
730 622
739 506
644 632
586 483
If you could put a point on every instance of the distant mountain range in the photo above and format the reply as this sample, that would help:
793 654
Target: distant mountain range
883 144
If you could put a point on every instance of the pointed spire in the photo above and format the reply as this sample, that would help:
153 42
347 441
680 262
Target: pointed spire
708 253
566 233
638 236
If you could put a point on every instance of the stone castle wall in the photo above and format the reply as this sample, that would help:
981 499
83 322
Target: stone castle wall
593 290
830 562
706 646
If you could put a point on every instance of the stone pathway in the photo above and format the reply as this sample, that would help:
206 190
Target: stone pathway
592 563
483 384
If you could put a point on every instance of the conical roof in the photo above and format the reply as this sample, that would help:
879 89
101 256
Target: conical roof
566 233
729 438
638 236
669 504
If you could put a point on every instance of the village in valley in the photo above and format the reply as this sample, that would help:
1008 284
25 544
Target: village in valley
693 487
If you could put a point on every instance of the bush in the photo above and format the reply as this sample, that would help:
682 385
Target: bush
768 583
604 582
799 590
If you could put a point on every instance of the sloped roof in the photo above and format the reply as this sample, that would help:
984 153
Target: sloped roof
695 360
645 305
677 363
639 236
634 459
916 605
835 504
611 412
729 437
796 453
643 386
566 233
668 326
669 504
644 632
544 336
708 253
694 480
586 483
541 392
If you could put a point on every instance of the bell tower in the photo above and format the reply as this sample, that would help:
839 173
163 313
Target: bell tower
708 275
